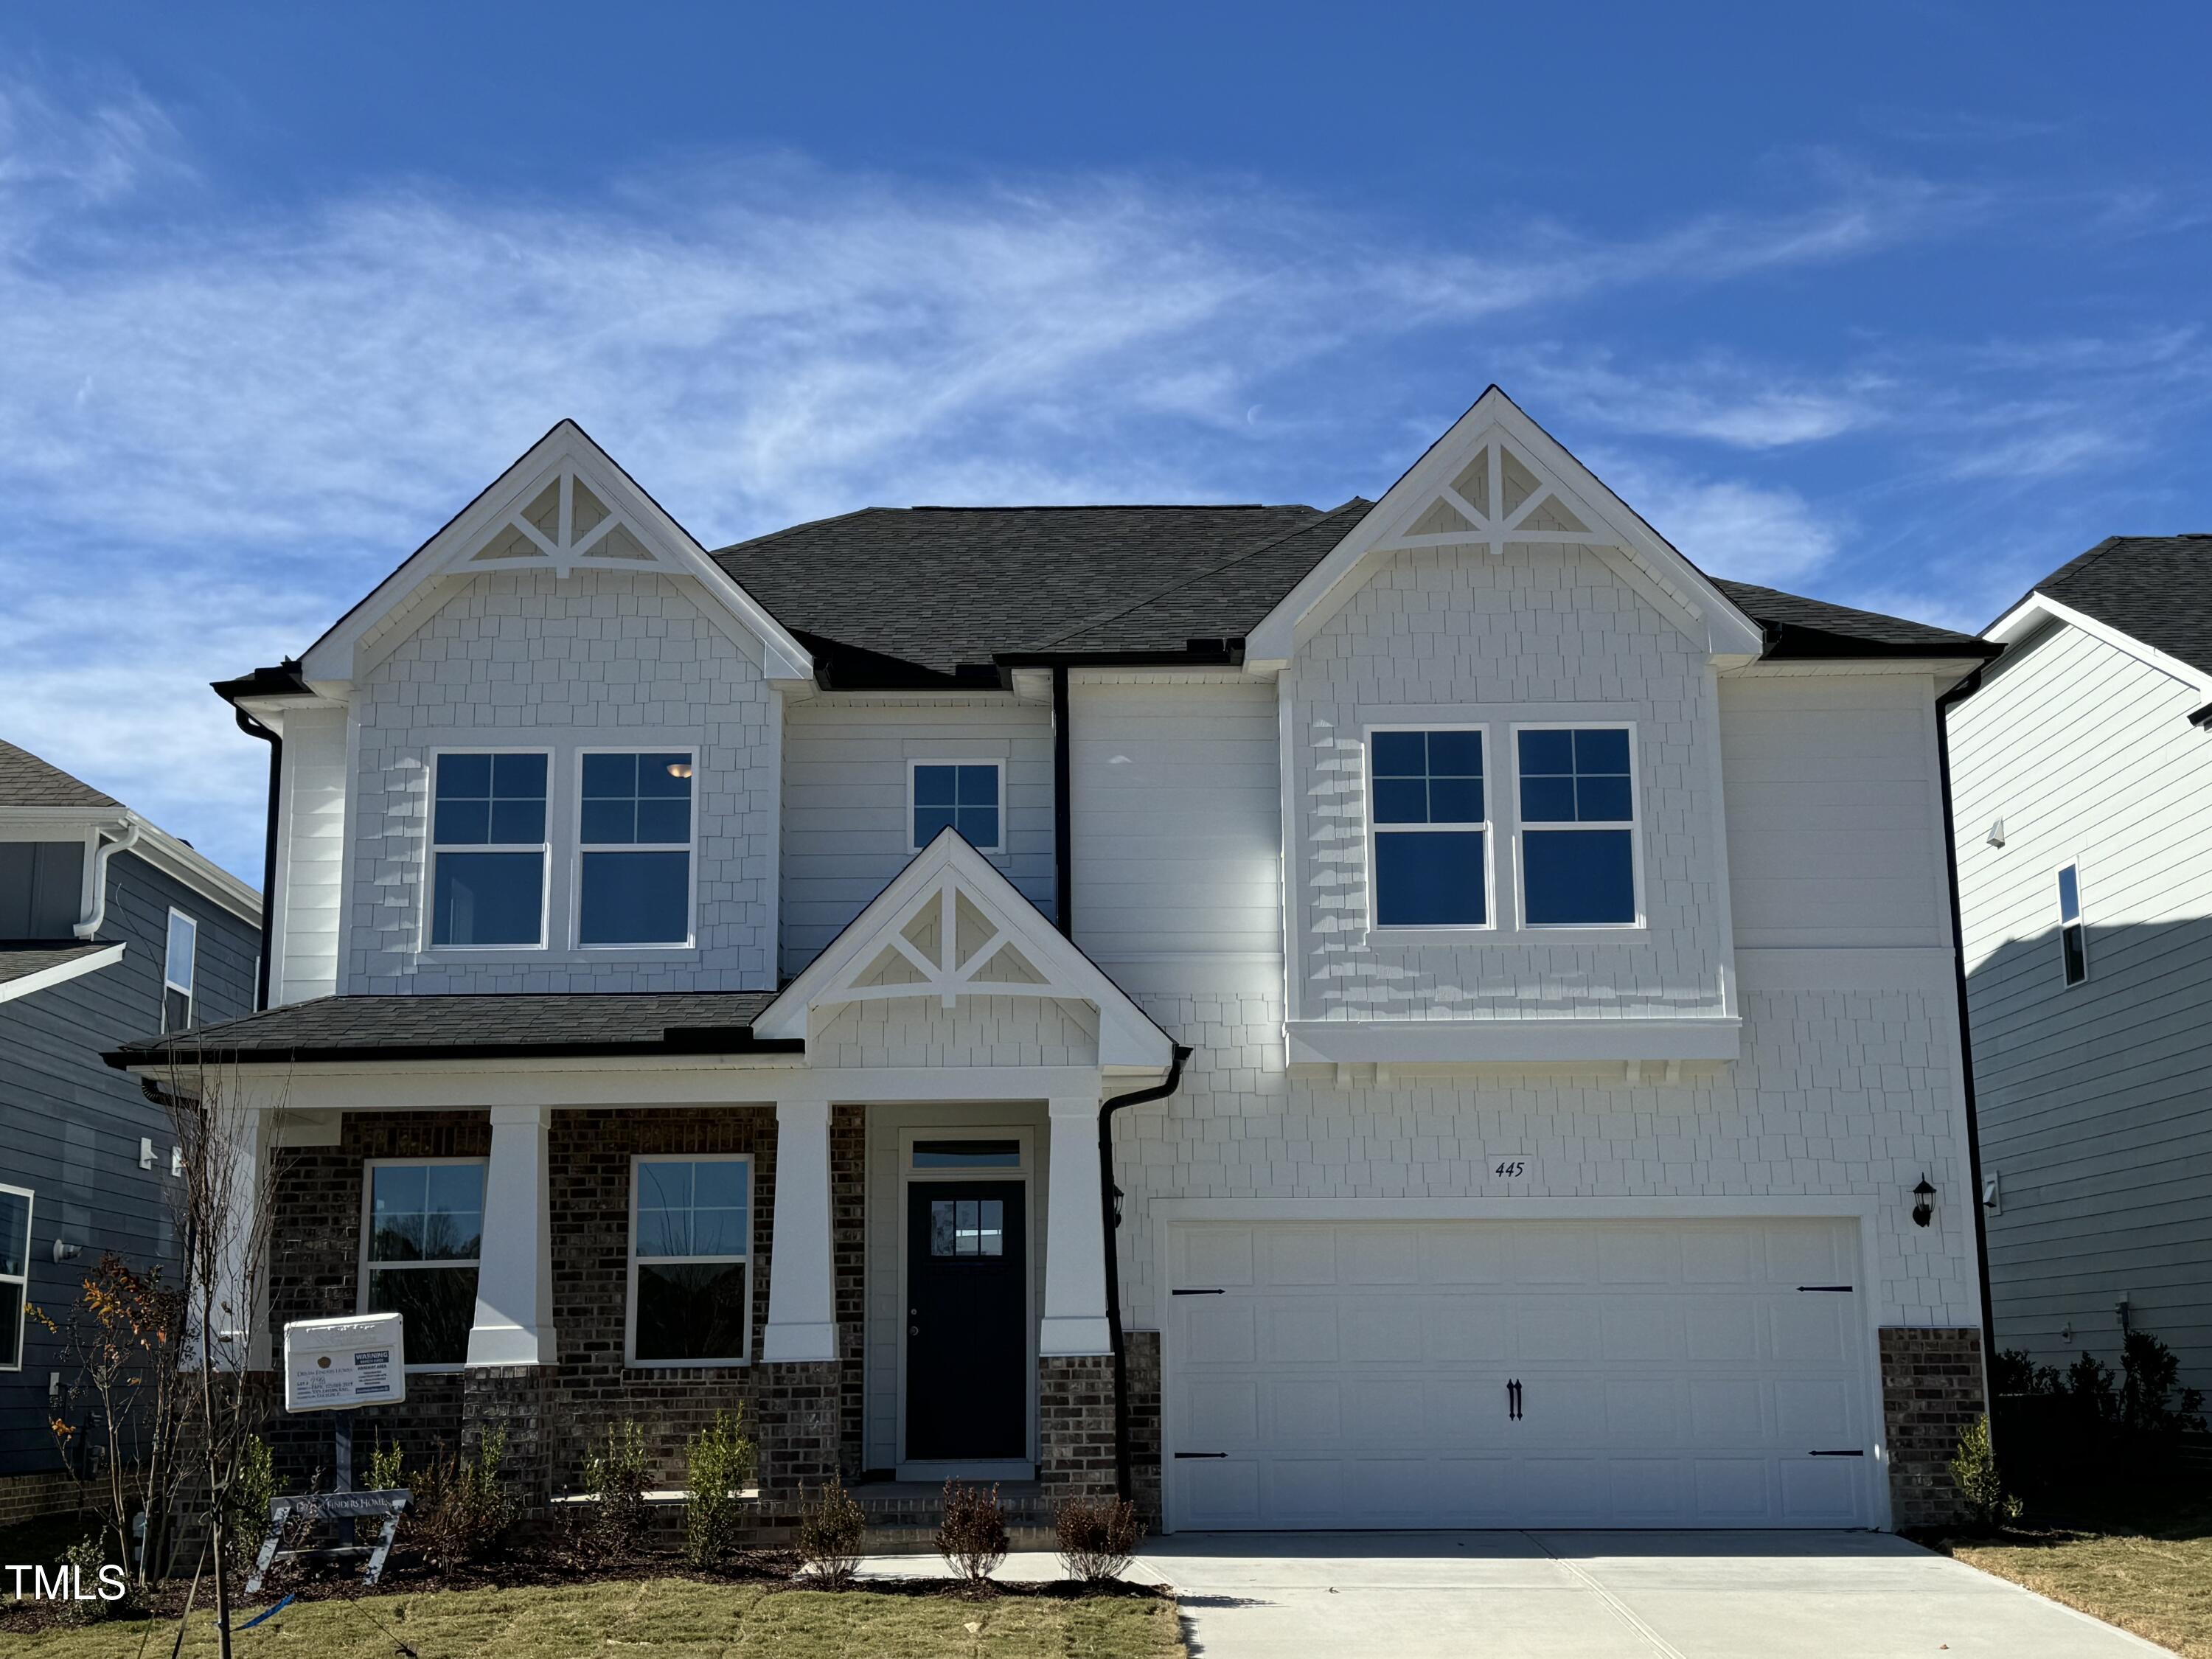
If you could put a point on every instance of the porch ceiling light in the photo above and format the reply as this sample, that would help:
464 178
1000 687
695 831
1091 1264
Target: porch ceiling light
1923 1203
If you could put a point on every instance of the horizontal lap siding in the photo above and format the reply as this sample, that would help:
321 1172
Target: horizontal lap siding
311 854
846 832
2095 1099
69 1125
1178 809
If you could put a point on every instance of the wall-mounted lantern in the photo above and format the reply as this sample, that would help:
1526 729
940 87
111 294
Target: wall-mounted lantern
1923 1203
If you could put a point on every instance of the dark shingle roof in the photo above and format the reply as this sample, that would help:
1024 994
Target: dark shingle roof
916 596
21 959
1799 627
489 1027
27 781
2157 589
885 591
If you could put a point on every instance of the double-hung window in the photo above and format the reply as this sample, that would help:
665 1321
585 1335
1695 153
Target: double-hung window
488 842
633 886
420 1252
968 796
691 1260
177 972
1577 826
1432 828
2073 940
14 1273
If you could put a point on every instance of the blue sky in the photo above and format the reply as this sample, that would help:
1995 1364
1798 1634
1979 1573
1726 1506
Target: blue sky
1900 306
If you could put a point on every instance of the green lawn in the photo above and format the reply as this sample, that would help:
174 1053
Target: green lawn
2150 1573
668 1618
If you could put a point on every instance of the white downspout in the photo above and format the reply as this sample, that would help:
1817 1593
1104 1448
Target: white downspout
90 927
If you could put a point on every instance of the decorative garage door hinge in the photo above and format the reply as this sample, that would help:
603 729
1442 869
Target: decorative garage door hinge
1185 1456
1840 1289
1835 1453
1214 1293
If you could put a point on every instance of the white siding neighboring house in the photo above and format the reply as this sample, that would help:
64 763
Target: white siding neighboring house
1509 971
2083 811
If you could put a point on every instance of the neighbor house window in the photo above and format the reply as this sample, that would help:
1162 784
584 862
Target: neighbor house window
14 1273
2073 943
421 1249
635 886
177 972
487 836
1577 826
1431 855
689 1287
968 796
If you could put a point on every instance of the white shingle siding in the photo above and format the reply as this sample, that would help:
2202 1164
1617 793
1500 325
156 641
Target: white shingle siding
1531 633
597 658
2096 1112
846 828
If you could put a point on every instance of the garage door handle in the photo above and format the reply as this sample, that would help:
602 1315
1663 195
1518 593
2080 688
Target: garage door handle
1513 1400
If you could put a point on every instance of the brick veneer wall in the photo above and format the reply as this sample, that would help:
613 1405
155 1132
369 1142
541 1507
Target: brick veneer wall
804 1418
1142 1349
1932 1392
848 1245
26 1497
1075 1426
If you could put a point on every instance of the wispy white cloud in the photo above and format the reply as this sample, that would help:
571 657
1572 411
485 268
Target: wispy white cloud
1719 400
1727 526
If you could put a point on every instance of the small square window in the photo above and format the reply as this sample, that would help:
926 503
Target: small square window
964 796
968 1227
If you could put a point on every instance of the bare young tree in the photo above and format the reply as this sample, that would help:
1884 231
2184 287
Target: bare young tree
223 1205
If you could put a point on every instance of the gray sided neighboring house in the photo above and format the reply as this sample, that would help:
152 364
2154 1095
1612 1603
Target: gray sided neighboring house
81 1148
2082 782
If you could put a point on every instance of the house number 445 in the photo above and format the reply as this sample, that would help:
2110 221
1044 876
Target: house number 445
1513 1171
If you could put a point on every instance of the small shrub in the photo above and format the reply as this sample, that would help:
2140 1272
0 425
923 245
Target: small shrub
386 1466
616 1477
1097 1537
831 1529
87 1557
2148 1371
252 1489
460 1511
1981 1486
972 1535
2017 1373
718 1463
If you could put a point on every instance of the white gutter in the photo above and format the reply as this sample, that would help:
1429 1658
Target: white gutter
90 927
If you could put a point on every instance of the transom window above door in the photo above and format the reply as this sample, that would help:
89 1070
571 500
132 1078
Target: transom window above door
1431 827
634 884
968 796
488 849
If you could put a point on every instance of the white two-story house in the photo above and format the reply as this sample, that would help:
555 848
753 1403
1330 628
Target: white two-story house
1436 1012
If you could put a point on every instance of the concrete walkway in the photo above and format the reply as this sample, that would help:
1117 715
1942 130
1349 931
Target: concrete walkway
1590 1595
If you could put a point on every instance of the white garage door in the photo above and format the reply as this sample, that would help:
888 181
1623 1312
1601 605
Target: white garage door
1518 1373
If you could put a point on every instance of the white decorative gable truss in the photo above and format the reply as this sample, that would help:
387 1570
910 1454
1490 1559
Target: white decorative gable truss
950 926
564 507
1495 479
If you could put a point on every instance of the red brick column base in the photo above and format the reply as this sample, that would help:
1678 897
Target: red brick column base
1931 1393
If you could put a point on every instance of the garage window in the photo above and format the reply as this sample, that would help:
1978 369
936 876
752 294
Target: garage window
1430 834
1577 800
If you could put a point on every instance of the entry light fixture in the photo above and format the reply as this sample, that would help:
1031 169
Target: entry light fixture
1923 1203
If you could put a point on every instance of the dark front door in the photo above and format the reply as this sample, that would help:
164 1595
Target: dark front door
967 1319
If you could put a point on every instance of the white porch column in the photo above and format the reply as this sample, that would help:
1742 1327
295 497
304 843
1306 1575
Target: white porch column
241 1271
802 1309
1075 1253
514 1285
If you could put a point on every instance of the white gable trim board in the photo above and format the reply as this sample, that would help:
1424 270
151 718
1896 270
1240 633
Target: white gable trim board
1496 427
566 463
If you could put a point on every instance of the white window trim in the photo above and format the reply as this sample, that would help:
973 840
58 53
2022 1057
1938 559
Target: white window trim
1414 932
431 849
998 762
23 1279
629 1298
369 1168
1634 825
2081 920
168 983
580 847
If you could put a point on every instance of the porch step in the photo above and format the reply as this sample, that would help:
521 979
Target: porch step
902 1515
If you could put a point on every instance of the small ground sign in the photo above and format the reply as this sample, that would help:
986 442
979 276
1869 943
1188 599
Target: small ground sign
336 1365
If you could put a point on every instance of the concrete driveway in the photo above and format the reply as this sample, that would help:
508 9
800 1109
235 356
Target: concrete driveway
1606 1595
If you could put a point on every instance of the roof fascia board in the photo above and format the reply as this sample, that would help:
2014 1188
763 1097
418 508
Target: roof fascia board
61 973
1715 621
2038 608
336 660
